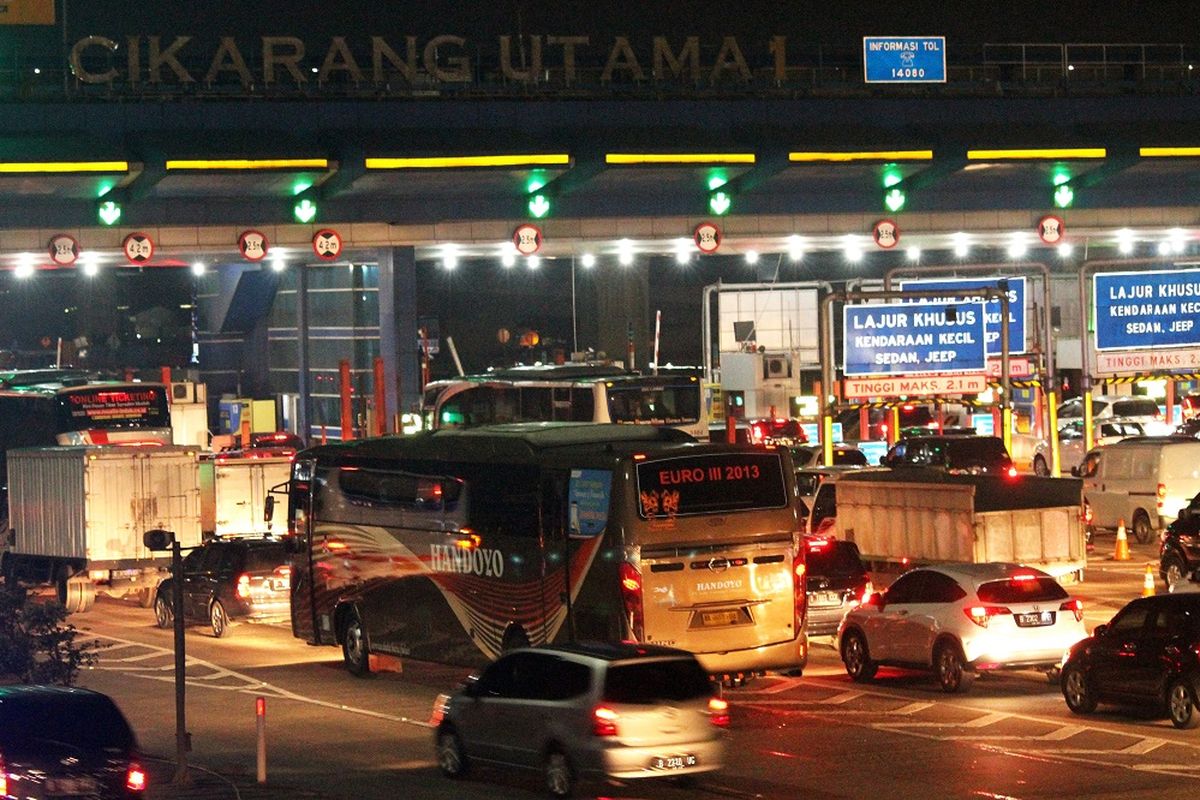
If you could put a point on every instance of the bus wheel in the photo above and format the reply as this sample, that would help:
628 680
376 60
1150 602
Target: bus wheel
355 650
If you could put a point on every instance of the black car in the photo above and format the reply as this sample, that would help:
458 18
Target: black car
1179 554
1146 657
227 579
57 741
975 455
813 455
837 582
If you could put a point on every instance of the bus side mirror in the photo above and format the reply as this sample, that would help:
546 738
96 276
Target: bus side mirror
158 539
269 508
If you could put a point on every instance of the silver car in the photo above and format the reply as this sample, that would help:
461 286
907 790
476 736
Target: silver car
585 710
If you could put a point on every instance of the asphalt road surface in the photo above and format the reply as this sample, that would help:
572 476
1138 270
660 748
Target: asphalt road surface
331 735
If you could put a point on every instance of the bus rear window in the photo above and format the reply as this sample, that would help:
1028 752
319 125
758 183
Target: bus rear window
654 405
710 483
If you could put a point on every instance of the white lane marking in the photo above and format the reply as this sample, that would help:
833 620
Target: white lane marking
1143 747
246 683
978 722
782 686
911 708
838 699
1063 733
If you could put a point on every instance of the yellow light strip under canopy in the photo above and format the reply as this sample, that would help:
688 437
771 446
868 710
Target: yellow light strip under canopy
1036 154
679 158
862 155
1169 152
24 167
247 163
466 162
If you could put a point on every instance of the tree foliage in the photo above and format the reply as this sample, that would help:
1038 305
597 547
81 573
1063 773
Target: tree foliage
36 643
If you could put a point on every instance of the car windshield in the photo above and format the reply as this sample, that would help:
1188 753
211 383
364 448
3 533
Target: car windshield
80 720
648 682
1031 589
834 558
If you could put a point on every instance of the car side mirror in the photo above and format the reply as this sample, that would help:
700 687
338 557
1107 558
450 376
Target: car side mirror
269 508
1100 630
470 685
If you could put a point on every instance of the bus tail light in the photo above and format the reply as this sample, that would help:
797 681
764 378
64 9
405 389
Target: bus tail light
604 721
1161 496
982 615
243 586
631 597
1075 607
718 712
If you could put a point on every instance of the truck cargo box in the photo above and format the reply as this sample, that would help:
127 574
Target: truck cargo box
234 490
94 503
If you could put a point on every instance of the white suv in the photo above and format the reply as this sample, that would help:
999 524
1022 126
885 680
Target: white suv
962 618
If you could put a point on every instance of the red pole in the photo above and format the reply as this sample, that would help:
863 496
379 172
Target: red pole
347 412
381 417
730 428
166 379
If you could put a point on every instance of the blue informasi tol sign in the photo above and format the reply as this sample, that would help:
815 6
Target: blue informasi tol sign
904 59
1016 307
907 338
1140 310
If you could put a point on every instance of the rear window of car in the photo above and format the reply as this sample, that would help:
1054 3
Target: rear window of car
1135 408
649 682
1033 590
834 558
978 448
849 456
265 558
85 721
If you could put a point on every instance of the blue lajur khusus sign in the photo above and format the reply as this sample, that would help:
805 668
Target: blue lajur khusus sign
908 338
1141 310
904 59
1016 306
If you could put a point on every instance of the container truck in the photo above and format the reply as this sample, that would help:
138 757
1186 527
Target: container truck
77 515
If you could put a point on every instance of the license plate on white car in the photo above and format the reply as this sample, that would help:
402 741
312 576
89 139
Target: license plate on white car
1035 620
674 762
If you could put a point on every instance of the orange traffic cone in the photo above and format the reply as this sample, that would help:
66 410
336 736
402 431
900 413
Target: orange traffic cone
1122 551
1148 582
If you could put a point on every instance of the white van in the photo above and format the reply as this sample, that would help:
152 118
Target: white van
1143 481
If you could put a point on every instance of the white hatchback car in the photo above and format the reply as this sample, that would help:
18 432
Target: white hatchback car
959 619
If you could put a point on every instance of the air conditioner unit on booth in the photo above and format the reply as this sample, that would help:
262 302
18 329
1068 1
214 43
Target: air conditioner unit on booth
188 392
777 366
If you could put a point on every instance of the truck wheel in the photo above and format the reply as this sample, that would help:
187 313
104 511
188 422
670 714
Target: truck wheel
1141 527
77 594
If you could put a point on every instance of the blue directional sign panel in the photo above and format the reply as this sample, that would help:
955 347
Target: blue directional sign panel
907 338
1016 307
1140 310
904 59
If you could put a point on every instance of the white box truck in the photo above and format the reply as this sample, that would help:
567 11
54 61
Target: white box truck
77 515
905 518
234 491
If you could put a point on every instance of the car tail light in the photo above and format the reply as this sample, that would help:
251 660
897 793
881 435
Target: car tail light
1161 495
863 598
1012 472
718 712
1087 515
135 778
1024 576
3 779
799 591
758 432
631 596
604 721
981 615
243 586
1075 607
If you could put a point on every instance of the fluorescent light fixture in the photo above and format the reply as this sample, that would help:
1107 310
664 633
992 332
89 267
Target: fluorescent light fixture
861 155
449 256
683 250
62 166
678 158
751 256
913 253
624 252
852 249
247 163
533 261
1017 246
468 162
278 264
962 244
1125 241
795 245
1169 152
508 259
588 260
1065 249
1164 248
1034 154
198 268
1178 240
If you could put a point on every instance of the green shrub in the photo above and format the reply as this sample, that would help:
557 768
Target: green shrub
36 644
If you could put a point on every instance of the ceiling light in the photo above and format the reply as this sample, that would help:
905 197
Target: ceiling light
278 264
534 261
1164 248
449 256
508 259
1125 242
25 268
1178 239
588 260
913 253
852 250
751 256
198 268
1018 247
962 244
625 258
1066 249
795 247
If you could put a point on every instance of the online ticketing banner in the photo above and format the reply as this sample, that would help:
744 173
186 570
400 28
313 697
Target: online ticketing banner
908 338
1016 307
1141 310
